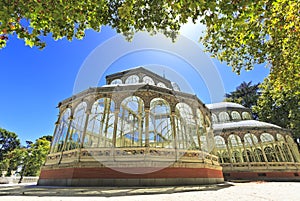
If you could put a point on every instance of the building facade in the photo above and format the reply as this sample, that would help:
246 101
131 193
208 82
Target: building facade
140 129
250 149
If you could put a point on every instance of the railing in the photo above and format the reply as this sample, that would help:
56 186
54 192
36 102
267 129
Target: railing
131 154
264 165
15 180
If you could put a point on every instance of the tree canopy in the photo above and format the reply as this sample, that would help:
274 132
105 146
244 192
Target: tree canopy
279 102
35 157
8 142
245 94
31 20
28 159
272 101
242 33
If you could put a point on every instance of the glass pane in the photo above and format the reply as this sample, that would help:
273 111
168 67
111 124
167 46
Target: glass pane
148 80
61 131
116 81
235 115
132 79
160 84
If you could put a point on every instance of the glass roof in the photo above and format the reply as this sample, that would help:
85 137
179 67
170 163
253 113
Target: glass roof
224 105
244 124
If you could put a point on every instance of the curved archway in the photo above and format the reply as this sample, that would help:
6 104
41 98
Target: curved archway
234 140
203 138
246 116
61 131
214 118
293 147
259 154
99 129
267 138
279 153
250 139
160 84
235 145
185 127
132 79
160 128
270 154
286 152
77 127
130 129
249 155
224 117
235 115
220 142
280 137
148 80
116 81
175 86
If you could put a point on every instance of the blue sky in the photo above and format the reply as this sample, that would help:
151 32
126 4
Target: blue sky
32 82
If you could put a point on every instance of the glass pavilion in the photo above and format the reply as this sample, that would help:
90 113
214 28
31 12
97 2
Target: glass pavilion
140 130
250 149
139 122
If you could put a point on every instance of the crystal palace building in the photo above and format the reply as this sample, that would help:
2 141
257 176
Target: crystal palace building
140 130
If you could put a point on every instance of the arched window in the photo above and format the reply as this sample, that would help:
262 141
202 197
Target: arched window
289 139
148 80
202 131
279 137
214 118
278 152
286 153
160 84
220 142
186 132
224 117
100 125
293 147
235 141
246 116
259 154
132 79
237 156
131 128
250 139
160 129
250 156
116 81
270 154
209 143
77 127
175 86
235 115
225 157
266 137
61 131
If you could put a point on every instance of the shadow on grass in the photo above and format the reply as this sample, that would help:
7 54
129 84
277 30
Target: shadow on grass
62 191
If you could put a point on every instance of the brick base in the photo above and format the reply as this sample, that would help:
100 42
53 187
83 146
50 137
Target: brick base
264 175
103 176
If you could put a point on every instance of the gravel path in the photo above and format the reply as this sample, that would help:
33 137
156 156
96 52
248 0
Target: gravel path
252 191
